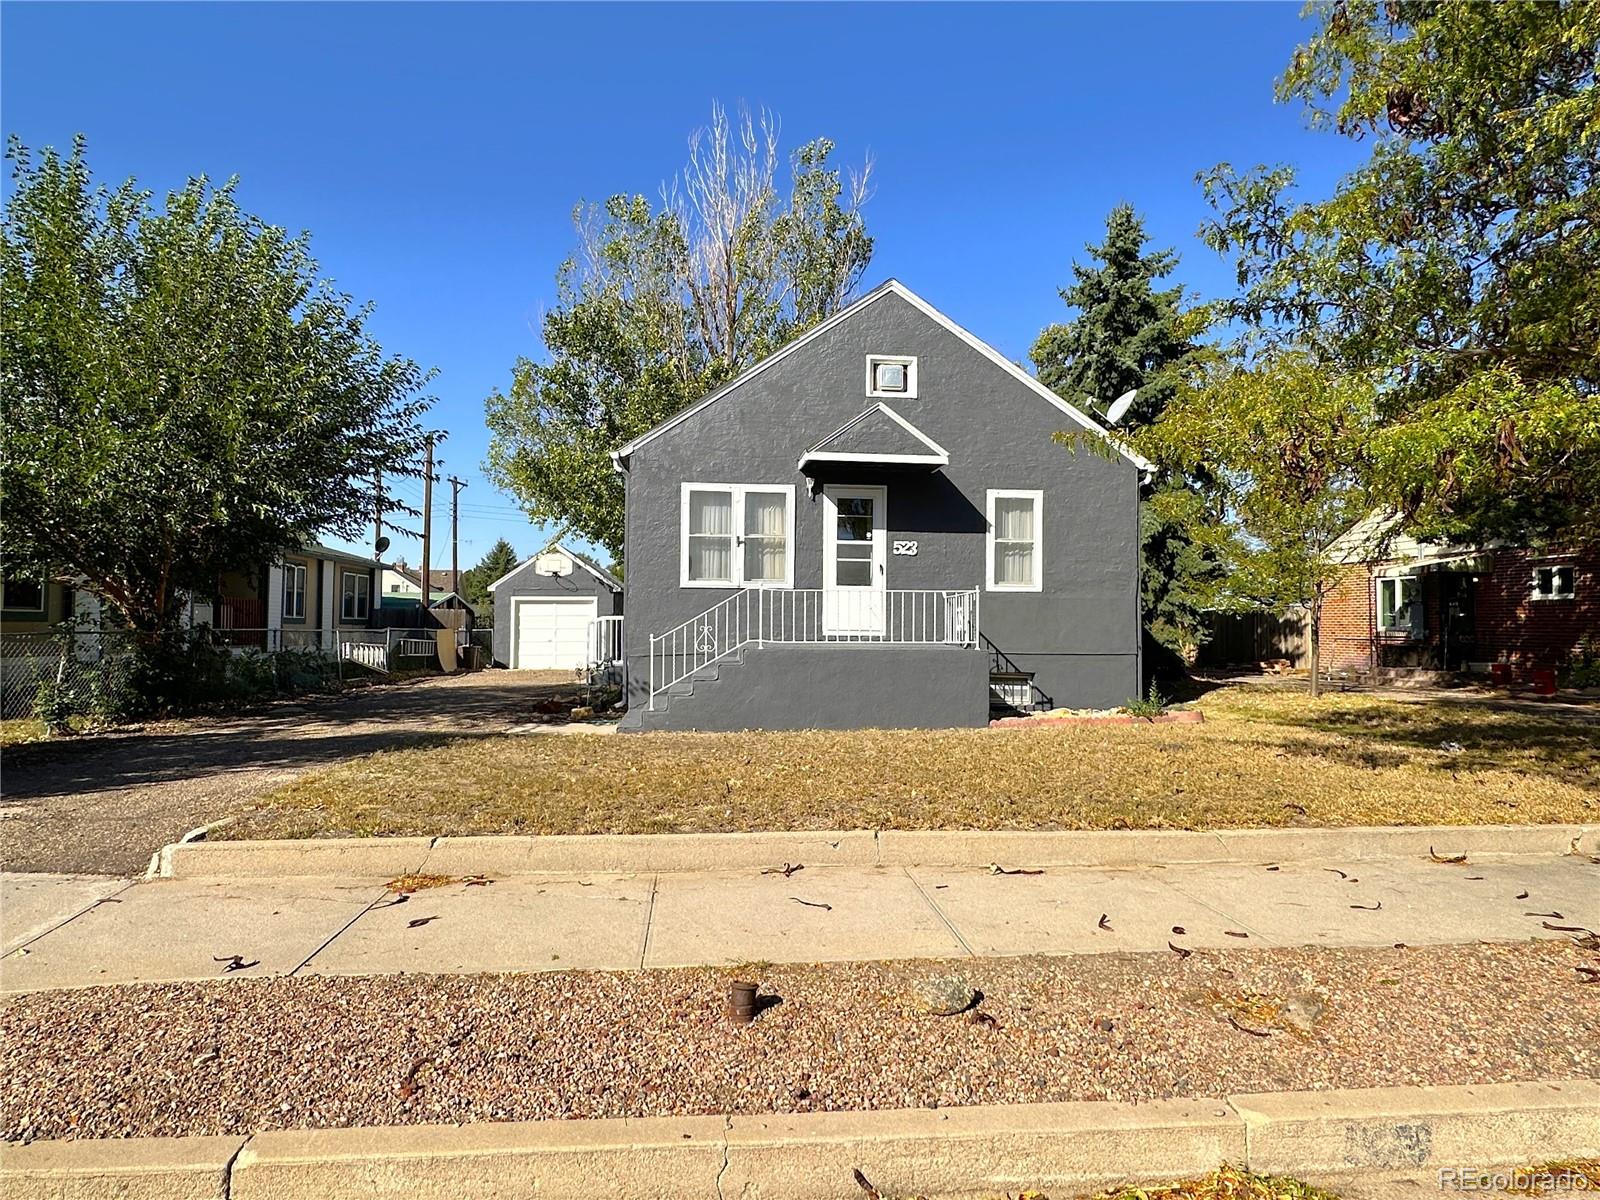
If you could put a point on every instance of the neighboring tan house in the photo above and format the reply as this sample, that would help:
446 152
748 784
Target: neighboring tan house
29 605
1414 608
875 527
302 600
551 610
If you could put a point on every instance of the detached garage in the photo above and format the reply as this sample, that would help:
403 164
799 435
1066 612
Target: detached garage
546 608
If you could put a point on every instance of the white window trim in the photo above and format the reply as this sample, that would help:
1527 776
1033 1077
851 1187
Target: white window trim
1037 496
26 610
1536 594
357 575
738 491
908 361
1406 626
297 570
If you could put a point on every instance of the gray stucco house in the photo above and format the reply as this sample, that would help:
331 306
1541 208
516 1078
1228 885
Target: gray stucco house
874 527
552 610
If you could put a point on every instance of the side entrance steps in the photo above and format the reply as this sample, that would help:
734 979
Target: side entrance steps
679 697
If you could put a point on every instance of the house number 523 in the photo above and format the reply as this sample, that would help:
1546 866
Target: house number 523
906 548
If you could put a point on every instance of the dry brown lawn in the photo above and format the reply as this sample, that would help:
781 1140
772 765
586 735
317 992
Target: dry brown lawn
1264 756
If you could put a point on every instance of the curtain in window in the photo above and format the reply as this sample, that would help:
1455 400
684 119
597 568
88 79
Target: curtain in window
711 536
1013 540
766 536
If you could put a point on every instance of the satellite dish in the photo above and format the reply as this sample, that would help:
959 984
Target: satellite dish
552 564
1120 406
380 546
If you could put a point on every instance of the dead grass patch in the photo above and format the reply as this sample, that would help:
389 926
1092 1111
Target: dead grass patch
1264 757
1225 1183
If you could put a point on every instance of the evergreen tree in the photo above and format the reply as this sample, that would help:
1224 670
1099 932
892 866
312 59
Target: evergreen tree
1129 333
1132 334
475 581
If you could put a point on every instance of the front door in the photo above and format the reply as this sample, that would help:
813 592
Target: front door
854 559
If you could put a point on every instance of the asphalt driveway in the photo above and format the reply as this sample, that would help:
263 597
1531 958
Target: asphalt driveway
102 804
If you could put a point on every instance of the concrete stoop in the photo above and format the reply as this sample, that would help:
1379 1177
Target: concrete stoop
1060 1149
517 855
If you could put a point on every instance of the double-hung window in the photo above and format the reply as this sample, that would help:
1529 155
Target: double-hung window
22 594
1553 583
1399 604
357 596
294 591
1013 545
737 535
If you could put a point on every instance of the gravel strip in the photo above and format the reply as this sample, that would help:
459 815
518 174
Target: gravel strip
241 1056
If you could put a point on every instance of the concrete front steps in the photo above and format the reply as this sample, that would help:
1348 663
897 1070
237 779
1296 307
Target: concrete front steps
668 710
1062 1149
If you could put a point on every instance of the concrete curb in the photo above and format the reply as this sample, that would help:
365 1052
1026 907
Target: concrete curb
640 853
935 1152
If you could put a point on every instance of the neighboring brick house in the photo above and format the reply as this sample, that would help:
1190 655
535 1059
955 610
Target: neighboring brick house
1413 606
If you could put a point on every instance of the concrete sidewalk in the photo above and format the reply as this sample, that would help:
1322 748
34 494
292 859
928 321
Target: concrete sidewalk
73 932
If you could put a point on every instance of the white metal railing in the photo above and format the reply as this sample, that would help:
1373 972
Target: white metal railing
811 616
605 641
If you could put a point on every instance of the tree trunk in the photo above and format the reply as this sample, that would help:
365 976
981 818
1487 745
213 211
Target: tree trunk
1316 644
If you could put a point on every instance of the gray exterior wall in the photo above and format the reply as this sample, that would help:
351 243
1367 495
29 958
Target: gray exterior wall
524 581
1079 635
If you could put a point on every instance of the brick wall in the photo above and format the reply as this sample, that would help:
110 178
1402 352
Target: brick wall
1345 613
1510 625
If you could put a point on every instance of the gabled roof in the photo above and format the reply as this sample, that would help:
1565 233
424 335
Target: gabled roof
583 560
892 287
878 435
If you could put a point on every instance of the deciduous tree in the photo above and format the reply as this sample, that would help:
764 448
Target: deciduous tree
1453 272
663 302
183 393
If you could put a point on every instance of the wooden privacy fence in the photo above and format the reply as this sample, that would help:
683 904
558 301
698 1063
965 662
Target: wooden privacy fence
1248 638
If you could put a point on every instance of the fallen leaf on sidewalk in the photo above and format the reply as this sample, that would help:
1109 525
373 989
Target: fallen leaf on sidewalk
861 1182
1274 867
1179 929
1569 928
235 962
1179 950
1554 916
1337 872
812 903
419 921
997 869
1445 858
1520 896
476 881
1369 907
1235 933
786 870
1105 922
400 899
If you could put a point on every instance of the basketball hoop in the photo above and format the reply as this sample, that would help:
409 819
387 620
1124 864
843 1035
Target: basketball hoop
553 565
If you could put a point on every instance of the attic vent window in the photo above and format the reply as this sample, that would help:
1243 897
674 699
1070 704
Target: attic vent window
891 375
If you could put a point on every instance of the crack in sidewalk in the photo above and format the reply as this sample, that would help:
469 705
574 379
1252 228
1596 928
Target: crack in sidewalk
727 1129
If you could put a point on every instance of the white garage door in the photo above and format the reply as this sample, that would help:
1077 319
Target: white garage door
551 635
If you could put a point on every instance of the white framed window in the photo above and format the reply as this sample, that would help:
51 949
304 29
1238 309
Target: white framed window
891 377
1554 583
1014 541
22 595
294 591
356 596
737 535
1399 604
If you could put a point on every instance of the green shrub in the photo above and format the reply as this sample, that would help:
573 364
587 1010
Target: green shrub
1153 705
52 706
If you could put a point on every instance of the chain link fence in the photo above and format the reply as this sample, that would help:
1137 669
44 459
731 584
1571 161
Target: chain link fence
80 672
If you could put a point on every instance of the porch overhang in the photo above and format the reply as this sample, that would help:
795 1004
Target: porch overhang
878 436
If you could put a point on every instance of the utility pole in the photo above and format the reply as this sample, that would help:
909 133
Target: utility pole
427 534
455 562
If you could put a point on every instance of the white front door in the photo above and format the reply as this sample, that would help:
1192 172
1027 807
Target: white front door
854 559
551 635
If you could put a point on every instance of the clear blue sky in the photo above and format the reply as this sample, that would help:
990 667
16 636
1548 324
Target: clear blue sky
435 151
